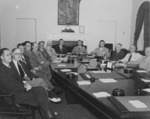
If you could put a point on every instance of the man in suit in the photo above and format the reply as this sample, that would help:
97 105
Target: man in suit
132 56
22 71
79 49
101 50
41 68
24 92
144 61
118 53
60 48
43 51
24 58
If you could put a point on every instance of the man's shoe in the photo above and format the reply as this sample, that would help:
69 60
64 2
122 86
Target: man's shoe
55 100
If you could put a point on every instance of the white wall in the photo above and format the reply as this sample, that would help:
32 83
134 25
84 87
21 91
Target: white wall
135 7
118 12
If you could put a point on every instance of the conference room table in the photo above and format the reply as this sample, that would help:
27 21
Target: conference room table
95 89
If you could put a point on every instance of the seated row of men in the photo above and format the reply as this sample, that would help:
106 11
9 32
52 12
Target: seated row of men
26 72
131 58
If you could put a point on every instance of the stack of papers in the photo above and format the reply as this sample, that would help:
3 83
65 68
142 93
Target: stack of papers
108 80
83 82
61 65
141 71
101 94
137 104
145 80
65 70
146 90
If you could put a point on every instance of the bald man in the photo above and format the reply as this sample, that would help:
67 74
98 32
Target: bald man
144 61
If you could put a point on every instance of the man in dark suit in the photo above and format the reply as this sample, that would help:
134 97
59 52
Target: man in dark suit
24 92
118 54
24 58
43 51
60 48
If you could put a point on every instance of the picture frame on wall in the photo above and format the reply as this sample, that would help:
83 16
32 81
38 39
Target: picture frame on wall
68 12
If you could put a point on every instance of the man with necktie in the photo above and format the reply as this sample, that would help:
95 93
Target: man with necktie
24 92
144 61
79 49
60 48
132 56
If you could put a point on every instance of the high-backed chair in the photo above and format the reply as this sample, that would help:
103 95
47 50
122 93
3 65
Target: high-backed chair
69 44
9 107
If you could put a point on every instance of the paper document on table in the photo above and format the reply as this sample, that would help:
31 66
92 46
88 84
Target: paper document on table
99 72
101 94
146 90
56 61
137 104
145 80
108 80
141 71
83 82
61 65
65 70
88 76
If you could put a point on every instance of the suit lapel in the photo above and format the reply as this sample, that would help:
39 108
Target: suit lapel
14 68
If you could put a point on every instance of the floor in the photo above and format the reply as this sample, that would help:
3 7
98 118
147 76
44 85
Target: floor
67 111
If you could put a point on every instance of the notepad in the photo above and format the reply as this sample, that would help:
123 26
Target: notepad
108 80
146 90
65 70
88 76
145 80
56 61
141 71
61 65
101 94
99 72
137 104
83 82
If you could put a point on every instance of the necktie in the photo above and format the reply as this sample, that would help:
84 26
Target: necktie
21 70
130 58
79 50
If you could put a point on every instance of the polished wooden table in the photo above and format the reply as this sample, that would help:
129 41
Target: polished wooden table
102 107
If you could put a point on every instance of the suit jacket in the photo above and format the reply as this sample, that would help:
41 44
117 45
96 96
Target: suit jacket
25 68
117 55
9 81
27 62
79 50
36 60
63 51
45 54
101 52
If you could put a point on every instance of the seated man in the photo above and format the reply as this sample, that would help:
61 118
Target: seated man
40 65
60 48
51 51
23 72
43 51
80 49
132 56
24 93
144 61
118 53
101 50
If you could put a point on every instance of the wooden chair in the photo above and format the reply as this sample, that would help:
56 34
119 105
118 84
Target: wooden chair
9 107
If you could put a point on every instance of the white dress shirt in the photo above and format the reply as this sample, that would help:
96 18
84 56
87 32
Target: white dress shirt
134 57
16 65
